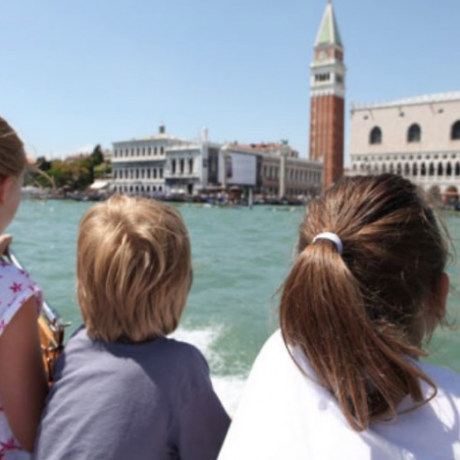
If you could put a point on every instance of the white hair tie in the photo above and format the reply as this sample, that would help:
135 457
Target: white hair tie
331 237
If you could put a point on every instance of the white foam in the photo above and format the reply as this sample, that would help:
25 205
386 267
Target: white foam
201 338
228 388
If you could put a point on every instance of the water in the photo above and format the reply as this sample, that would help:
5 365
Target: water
240 258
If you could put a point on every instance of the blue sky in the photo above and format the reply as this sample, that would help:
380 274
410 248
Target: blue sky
75 74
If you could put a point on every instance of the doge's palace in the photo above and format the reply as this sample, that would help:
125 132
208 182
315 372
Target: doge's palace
418 138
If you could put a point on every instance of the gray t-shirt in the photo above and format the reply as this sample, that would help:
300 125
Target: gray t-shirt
152 400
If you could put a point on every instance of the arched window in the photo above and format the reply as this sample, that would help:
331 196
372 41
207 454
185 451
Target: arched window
423 169
455 132
457 169
440 169
449 169
398 169
392 168
431 170
414 133
407 169
414 169
375 136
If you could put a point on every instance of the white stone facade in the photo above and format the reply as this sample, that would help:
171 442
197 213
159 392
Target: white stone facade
139 164
280 172
418 138
187 168
164 165
301 177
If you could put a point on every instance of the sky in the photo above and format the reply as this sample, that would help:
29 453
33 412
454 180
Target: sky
78 73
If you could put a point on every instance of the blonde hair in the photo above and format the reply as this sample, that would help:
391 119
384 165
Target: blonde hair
12 155
133 269
359 315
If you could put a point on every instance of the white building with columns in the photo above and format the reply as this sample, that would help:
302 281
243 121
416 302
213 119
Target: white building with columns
139 164
418 138
278 171
189 167
163 164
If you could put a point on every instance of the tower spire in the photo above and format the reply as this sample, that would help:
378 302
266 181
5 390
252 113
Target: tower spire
329 33
327 87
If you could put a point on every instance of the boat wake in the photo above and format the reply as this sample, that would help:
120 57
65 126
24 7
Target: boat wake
229 388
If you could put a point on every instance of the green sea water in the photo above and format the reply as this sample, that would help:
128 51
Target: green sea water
240 259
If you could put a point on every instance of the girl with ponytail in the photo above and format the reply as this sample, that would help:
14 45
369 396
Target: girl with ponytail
342 379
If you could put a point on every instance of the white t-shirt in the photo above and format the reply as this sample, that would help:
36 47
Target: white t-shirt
284 415
16 287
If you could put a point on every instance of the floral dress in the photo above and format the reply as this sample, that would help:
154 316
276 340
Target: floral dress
16 287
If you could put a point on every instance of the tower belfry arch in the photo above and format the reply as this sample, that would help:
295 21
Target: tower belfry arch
327 92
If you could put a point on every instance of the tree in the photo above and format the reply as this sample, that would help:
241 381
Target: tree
43 164
73 173
97 157
103 170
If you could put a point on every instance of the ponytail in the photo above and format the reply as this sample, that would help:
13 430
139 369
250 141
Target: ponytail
355 337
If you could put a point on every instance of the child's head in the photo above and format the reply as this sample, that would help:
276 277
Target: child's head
133 269
12 165
359 314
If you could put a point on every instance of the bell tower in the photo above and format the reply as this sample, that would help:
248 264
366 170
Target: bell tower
327 91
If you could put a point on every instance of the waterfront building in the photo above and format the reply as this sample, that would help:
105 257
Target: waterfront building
191 167
417 137
165 164
327 105
139 164
272 169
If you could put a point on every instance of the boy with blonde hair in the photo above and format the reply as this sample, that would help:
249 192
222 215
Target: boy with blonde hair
123 389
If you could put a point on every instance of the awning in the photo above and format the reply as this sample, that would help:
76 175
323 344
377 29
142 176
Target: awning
99 185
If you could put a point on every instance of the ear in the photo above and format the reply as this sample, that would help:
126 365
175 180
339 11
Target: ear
5 185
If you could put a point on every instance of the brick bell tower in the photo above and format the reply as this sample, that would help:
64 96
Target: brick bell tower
327 90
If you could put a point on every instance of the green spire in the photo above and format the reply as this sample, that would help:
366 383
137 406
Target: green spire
328 33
